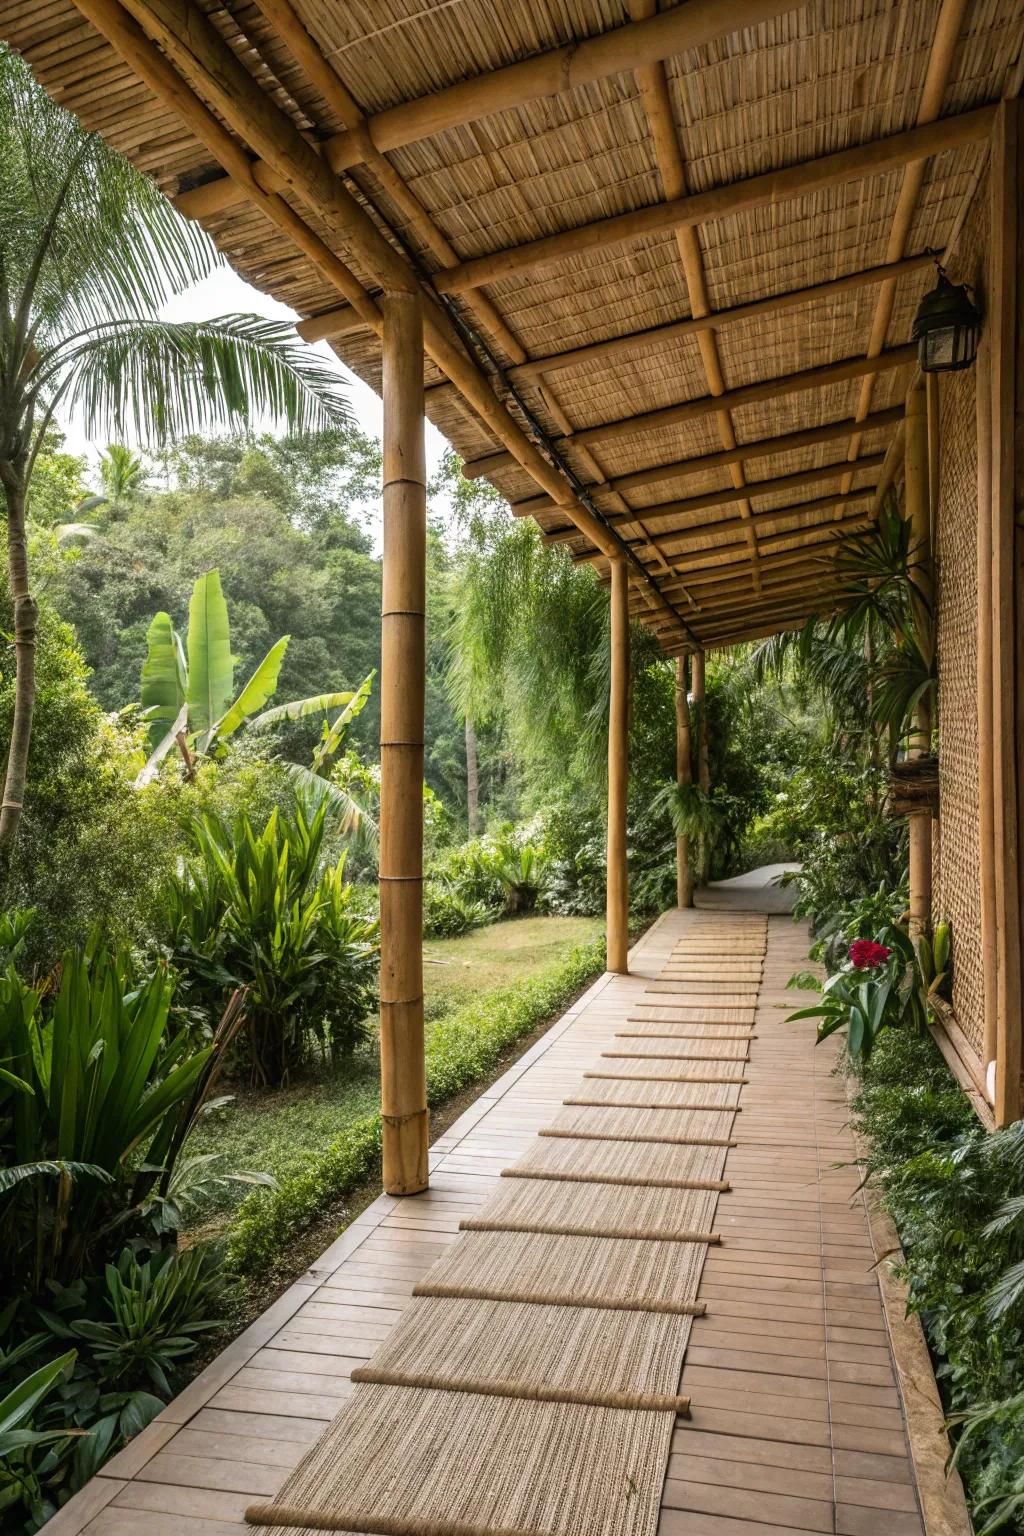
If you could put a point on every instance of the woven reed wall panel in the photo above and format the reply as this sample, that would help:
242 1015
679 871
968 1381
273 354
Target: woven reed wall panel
957 888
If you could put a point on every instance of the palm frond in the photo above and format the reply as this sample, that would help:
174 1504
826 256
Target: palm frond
113 245
157 379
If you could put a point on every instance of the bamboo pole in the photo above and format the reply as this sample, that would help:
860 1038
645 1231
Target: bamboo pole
727 531
874 158
791 482
403 673
917 513
684 776
716 319
987 851
747 394
1006 406
547 74
807 437
618 773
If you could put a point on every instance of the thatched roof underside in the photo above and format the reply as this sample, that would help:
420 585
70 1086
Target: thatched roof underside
796 85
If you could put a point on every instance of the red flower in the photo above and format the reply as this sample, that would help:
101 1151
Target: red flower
866 955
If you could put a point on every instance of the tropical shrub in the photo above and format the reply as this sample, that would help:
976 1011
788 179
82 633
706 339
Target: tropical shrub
522 869
956 1196
260 910
96 1096
27 1454
447 914
882 983
99 1088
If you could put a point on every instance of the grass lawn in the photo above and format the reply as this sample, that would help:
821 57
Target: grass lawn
280 1131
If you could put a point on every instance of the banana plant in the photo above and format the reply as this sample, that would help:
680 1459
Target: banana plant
188 686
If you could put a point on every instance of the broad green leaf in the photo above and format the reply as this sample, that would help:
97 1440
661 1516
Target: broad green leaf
256 692
163 685
298 709
18 1405
211 666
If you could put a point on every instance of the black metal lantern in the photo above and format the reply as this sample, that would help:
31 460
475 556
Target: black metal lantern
946 328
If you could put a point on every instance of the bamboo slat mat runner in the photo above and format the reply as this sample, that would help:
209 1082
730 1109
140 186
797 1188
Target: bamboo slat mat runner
532 1386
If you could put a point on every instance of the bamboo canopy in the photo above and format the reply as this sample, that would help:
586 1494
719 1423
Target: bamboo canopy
668 255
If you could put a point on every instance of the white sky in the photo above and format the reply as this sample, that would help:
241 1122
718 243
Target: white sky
222 293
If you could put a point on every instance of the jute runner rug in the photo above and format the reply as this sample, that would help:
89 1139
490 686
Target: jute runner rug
531 1388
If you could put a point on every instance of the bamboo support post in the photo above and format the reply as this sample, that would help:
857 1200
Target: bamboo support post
403 681
985 684
917 512
1006 406
684 775
618 772
699 697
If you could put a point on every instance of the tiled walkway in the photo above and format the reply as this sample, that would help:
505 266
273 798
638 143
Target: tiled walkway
796 1420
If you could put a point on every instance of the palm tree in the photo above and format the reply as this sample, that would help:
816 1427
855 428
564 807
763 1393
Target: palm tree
122 474
89 252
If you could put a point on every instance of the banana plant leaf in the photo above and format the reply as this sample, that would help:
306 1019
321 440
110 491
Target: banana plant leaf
299 709
254 695
211 666
164 677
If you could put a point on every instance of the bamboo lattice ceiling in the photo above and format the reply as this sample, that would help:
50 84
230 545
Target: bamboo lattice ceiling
673 257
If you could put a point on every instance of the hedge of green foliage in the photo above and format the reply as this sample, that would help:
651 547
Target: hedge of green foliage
460 1049
956 1196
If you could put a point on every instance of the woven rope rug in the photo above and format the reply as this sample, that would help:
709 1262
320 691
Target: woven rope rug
532 1386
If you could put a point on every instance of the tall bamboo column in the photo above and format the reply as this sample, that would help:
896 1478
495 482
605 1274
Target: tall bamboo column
403 675
618 771
684 775
699 690
985 682
918 514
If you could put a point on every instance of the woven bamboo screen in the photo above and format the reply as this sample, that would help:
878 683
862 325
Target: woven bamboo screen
957 889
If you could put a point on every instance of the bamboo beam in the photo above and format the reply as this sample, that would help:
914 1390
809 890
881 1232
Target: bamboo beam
716 319
618 773
871 159
715 602
1007 182
987 852
730 529
310 56
825 533
765 447
690 508
547 74
341 321
403 680
709 499
668 156
684 777
746 394
198 51
917 514
933 91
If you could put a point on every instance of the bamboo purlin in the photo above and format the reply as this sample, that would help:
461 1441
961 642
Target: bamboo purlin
769 225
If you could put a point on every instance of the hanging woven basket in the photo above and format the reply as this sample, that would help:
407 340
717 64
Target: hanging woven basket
914 788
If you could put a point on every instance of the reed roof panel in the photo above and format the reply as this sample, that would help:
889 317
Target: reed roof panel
809 81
